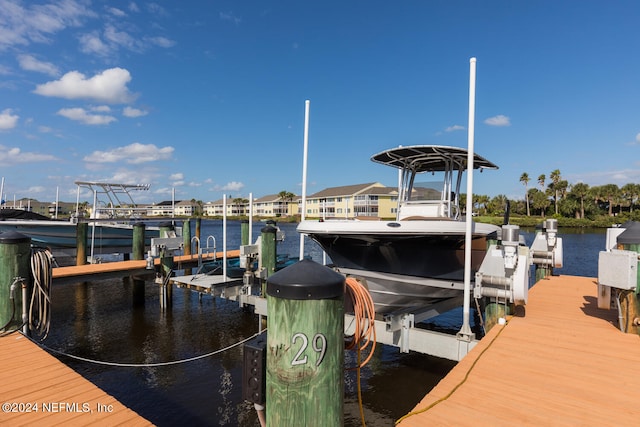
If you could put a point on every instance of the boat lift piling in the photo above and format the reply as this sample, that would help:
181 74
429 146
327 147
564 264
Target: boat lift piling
82 229
305 346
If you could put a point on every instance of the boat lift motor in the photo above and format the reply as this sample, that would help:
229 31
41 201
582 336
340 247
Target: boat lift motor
504 272
546 249
163 247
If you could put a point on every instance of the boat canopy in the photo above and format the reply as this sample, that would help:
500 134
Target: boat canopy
430 158
416 159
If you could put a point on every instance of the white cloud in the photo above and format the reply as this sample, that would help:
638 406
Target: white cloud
22 25
161 41
30 63
81 115
110 86
133 112
12 156
134 153
498 120
116 12
229 16
112 39
454 128
176 176
91 43
230 186
8 120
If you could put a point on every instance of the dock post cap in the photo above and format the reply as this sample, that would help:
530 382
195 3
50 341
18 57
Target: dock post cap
9 237
306 280
269 229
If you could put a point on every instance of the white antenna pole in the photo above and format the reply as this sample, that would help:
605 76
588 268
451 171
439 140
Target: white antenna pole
304 172
57 195
224 237
78 202
465 331
250 218
2 193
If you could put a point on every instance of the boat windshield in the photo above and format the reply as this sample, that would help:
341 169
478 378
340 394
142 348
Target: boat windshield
426 191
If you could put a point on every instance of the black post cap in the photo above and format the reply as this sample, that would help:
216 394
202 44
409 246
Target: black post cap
631 236
269 229
306 279
9 237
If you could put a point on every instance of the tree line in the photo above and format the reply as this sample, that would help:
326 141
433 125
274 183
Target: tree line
554 196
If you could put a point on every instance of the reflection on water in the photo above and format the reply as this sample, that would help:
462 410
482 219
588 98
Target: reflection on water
110 321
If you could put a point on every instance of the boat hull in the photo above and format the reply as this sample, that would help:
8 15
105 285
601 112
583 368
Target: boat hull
406 264
61 236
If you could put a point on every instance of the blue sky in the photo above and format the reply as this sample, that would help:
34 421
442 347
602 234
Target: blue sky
207 98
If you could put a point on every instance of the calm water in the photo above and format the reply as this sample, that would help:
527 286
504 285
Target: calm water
100 321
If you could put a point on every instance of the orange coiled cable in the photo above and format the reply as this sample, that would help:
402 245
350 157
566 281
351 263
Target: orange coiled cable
364 313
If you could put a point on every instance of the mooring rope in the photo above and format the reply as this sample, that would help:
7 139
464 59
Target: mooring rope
148 365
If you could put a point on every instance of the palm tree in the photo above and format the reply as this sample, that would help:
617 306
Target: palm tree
630 194
610 193
555 179
524 178
540 201
580 191
541 179
286 197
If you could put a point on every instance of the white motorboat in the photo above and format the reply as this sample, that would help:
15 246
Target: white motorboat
416 260
111 222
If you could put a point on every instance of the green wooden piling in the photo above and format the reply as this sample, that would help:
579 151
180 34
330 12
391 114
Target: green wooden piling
81 242
493 311
244 232
15 262
269 249
629 240
305 347
186 242
186 236
138 241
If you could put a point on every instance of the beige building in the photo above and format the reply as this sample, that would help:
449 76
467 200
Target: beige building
372 200
274 206
350 201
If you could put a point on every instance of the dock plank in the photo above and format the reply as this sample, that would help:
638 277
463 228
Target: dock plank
37 377
564 363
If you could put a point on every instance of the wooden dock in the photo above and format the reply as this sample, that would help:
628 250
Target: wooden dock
76 273
564 363
37 389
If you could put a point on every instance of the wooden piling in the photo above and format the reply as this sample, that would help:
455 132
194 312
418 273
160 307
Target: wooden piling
15 262
138 241
244 232
305 347
268 251
81 242
186 236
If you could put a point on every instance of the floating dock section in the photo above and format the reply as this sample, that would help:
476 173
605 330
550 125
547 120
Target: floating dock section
564 363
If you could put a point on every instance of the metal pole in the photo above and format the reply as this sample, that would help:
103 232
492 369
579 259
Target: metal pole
304 172
465 331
